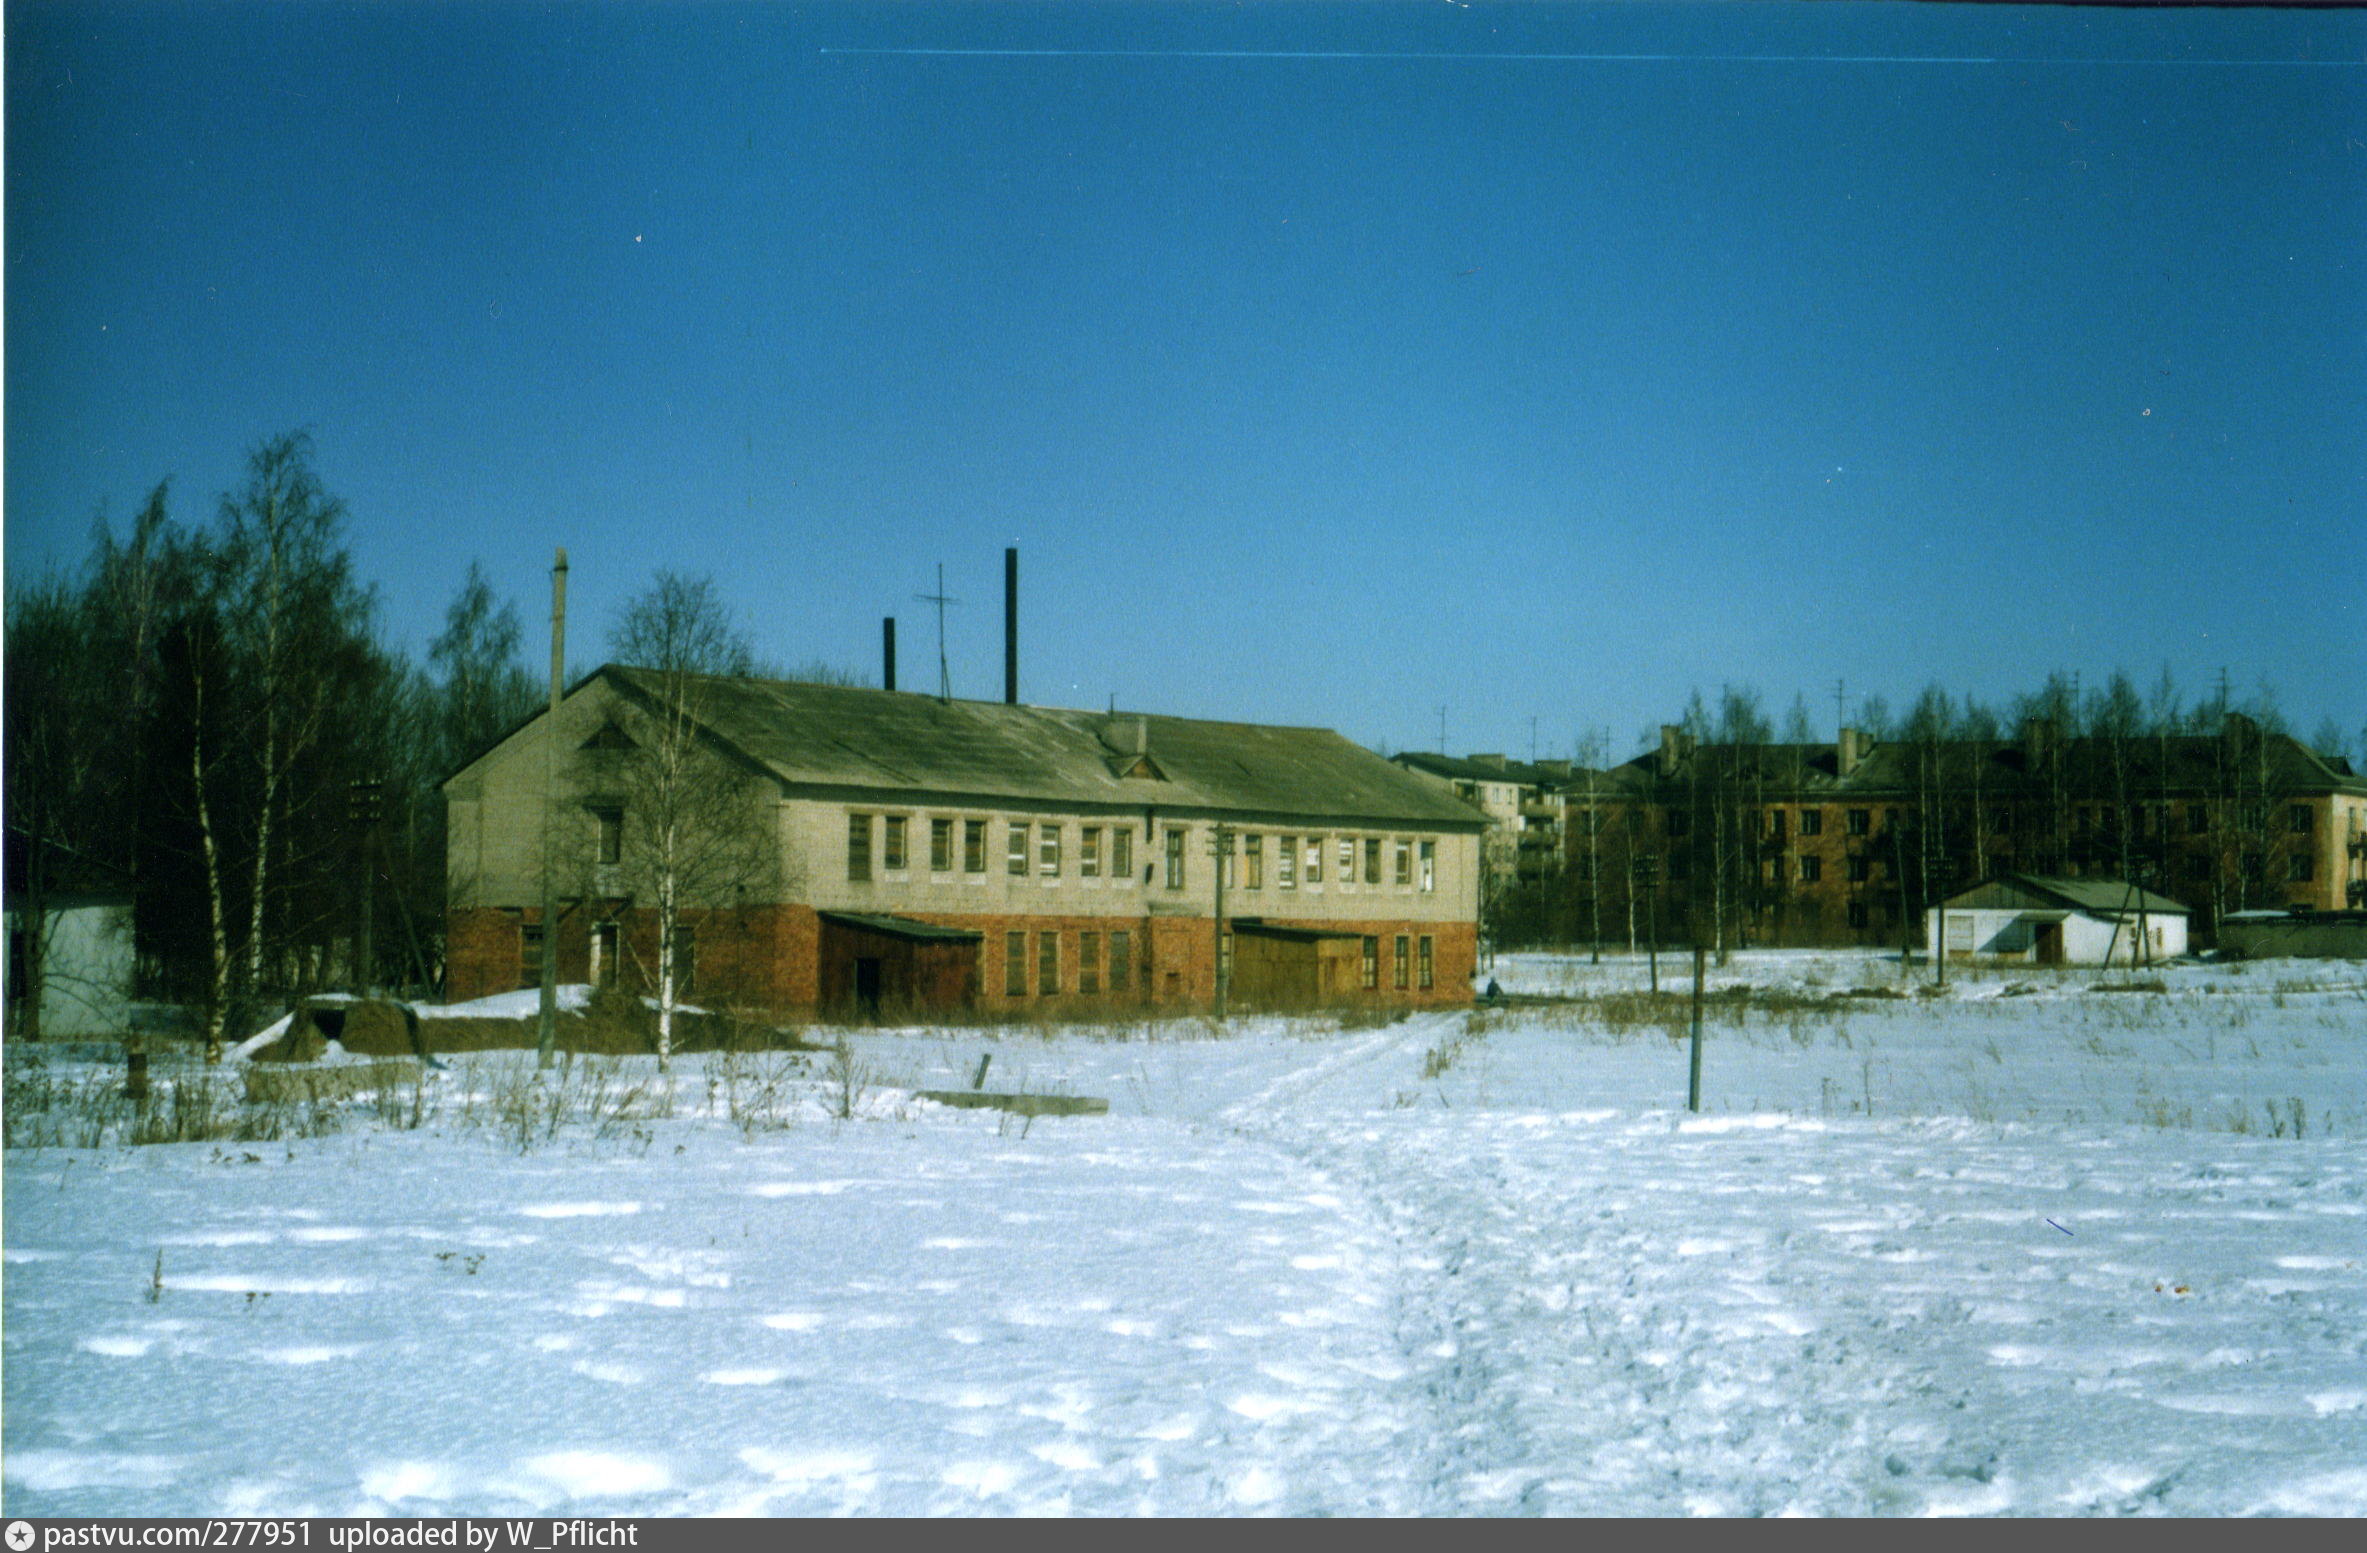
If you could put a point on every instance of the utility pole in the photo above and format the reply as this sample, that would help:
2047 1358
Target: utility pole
1693 1085
1220 847
547 1011
363 800
1442 749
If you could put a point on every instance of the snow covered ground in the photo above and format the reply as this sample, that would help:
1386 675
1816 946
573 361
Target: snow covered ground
2022 1248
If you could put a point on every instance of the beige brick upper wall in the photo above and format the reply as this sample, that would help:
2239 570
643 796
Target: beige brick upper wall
495 849
815 834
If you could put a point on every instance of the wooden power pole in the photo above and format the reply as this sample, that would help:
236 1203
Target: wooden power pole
547 1013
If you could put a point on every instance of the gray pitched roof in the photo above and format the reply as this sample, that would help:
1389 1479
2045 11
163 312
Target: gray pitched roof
835 736
2108 896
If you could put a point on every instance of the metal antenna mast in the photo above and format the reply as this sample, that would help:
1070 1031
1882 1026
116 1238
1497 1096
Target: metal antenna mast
938 598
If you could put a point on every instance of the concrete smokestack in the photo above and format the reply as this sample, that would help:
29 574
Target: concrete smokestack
887 649
1011 626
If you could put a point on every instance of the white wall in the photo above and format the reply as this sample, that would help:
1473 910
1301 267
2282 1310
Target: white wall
2001 933
86 989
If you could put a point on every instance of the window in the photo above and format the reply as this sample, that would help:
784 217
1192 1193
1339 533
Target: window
1860 869
1089 852
2255 868
974 846
1812 869
2297 819
2198 819
1680 867
1121 959
1857 913
1372 964
2298 867
1047 962
1314 859
1175 859
1405 862
1679 822
1812 822
604 955
1286 862
1253 862
611 822
1372 860
859 847
1088 962
1775 823
1015 850
891 855
1399 972
686 957
1861 822
1048 851
1347 873
941 846
1429 865
1425 965
1122 856
530 954
1015 964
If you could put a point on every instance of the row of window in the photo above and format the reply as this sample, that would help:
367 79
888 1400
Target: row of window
970 836
1040 848
1811 868
1413 962
607 955
1093 975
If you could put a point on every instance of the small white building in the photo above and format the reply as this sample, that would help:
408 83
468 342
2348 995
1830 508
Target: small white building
69 941
2046 921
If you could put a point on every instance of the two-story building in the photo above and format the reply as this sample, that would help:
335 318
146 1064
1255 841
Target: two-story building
831 846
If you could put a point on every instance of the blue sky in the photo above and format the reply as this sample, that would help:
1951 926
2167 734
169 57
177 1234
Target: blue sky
1327 364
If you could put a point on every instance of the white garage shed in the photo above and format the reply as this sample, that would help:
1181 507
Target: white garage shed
2045 921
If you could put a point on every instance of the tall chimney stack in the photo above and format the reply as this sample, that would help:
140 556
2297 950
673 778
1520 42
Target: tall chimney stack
887 648
1011 626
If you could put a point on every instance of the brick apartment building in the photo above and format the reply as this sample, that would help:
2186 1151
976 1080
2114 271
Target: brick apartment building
1850 842
834 847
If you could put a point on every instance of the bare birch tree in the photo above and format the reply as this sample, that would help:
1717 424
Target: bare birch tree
692 832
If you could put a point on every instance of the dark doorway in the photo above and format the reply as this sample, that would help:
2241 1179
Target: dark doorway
2050 943
867 984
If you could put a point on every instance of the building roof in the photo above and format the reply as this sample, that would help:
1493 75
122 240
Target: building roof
2104 897
886 741
907 928
1484 768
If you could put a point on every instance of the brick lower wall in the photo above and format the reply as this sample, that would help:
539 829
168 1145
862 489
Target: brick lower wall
766 958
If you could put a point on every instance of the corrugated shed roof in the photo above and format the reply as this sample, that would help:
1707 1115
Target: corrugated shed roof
898 741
